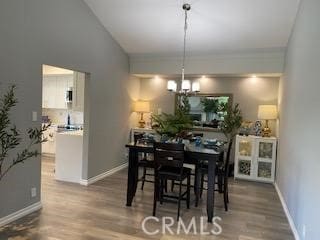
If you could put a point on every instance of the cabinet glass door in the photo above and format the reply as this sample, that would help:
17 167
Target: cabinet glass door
245 148
264 169
244 167
265 150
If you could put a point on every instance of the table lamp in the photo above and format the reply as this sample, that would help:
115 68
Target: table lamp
267 112
141 107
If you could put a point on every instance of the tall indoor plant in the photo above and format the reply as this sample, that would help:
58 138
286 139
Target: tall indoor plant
232 121
11 139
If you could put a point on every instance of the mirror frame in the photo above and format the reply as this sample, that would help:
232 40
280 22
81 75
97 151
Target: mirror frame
208 129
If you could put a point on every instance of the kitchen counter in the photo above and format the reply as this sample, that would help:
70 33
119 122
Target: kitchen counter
68 164
72 133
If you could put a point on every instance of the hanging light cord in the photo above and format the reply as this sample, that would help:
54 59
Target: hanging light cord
184 41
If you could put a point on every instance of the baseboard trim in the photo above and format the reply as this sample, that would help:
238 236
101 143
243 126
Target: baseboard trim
19 214
103 175
286 210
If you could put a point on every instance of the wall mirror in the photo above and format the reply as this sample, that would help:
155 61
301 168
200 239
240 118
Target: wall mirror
207 110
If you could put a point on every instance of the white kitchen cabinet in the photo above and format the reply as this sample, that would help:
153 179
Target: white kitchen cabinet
255 158
54 90
48 91
78 91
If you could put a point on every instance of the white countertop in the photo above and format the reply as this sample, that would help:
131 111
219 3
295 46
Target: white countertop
72 133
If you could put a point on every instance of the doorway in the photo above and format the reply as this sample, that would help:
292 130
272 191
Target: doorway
63 108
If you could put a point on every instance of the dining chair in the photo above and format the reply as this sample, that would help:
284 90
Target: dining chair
169 158
194 167
222 174
146 162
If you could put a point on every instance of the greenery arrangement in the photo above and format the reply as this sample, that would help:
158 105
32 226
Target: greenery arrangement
174 125
10 136
210 105
232 122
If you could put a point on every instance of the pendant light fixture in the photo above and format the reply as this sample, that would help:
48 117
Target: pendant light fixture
186 86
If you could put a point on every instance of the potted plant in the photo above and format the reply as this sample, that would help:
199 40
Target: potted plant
232 122
11 139
230 127
174 125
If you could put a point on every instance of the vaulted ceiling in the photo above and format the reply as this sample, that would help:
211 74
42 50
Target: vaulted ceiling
156 26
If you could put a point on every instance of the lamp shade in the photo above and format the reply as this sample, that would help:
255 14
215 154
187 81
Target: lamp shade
142 106
267 112
196 87
172 86
186 85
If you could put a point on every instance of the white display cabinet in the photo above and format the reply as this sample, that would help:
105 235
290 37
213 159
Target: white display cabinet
255 158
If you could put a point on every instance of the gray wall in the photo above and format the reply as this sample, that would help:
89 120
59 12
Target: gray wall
233 62
248 92
298 167
66 34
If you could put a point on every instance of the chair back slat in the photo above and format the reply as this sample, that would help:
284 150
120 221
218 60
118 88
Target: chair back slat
169 154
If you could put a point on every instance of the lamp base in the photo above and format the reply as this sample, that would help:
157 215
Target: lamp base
266 131
142 123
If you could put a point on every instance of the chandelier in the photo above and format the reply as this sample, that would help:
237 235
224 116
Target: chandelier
186 86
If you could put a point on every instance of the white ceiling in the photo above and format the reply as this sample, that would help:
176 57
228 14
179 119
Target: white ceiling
156 26
51 70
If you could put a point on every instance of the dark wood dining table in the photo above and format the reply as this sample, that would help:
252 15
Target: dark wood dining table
193 155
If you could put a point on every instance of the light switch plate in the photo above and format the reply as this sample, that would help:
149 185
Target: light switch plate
34 116
33 192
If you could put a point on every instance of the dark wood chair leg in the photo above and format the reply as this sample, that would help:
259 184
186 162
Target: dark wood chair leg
166 186
161 191
179 200
188 192
197 184
172 185
225 201
225 194
155 196
196 172
201 185
143 177
220 182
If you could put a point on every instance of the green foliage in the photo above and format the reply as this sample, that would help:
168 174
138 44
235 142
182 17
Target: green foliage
232 121
223 106
183 104
10 137
173 125
210 105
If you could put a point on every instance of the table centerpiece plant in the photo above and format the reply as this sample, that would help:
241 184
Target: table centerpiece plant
174 126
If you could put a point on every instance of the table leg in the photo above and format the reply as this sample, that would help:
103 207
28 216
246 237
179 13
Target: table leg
210 193
132 176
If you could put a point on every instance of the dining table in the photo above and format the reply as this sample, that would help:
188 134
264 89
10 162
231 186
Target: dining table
193 155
